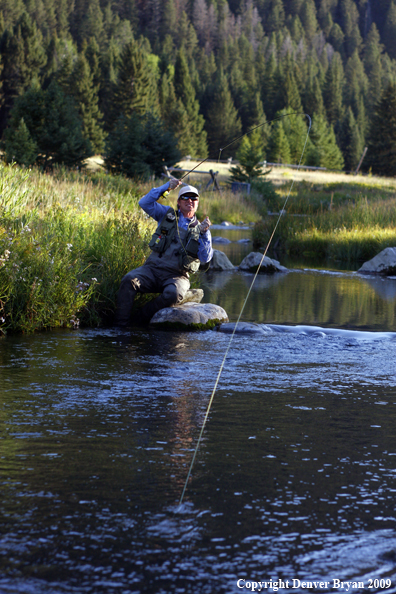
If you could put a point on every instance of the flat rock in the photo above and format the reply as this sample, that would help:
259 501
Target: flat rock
382 263
242 328
193 296
189 316
252 260
220 261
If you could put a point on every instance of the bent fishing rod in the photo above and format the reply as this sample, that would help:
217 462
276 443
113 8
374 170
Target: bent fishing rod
254 278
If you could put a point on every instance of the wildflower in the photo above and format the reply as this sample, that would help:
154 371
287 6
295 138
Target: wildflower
94 279
69 246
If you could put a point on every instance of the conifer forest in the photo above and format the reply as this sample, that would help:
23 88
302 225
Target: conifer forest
146 82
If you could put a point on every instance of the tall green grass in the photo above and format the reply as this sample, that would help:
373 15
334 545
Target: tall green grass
66 240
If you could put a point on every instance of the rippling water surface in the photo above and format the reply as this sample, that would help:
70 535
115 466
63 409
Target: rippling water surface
295 476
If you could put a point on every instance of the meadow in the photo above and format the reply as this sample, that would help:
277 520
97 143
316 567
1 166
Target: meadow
344 218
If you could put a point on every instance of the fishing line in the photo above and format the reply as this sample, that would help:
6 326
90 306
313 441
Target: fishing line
250 288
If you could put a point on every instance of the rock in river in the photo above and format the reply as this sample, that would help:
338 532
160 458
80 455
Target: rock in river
252 260
242 328
220 261
382 263
189 316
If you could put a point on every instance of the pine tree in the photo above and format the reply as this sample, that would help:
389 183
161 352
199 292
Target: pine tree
333 92
86 96
337 38
350 25
381 154
54 126
313 98
250 156
278 147
91 23
62 139
139 147
223 123
174 115
295 128
19 145
323 151
131 91
23 58
185 91
269 86
356 82
308 19
390 30
276 16
351 142
373 66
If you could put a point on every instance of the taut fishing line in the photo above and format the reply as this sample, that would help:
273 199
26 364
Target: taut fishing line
252 283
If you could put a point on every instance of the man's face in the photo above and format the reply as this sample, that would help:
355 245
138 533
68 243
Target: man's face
188 205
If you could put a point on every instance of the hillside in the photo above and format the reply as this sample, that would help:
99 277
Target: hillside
161 80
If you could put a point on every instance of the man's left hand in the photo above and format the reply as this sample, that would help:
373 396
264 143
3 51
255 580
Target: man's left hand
205 225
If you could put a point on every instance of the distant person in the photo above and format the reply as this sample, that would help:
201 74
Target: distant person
180 245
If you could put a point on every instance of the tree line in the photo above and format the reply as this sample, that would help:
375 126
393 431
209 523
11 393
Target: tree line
144 82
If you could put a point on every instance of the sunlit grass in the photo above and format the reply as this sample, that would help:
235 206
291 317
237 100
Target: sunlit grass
66 240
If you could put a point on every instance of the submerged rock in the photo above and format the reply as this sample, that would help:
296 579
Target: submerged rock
382 263
218 239
189 316
220 261
252 260
242 328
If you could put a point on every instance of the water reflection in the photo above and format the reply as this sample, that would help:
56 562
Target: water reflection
332 299
295 477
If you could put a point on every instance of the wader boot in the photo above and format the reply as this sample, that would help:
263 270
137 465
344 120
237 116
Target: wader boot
146 313
125 299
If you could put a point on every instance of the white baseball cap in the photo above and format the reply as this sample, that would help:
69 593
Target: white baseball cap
188 190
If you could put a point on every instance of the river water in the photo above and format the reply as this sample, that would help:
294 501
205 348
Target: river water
295 476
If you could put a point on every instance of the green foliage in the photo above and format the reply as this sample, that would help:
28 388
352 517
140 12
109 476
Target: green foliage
131 91
213 78
20 147
54 126
278 148
139 147
250 156
223 122
323 150
381 155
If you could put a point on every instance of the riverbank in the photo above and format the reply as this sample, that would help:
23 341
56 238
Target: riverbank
350 220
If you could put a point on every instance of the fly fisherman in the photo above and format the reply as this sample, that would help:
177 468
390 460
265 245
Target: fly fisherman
179 246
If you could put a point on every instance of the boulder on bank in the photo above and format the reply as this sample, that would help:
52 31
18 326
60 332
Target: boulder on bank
220 261
382 263
252 261
190 316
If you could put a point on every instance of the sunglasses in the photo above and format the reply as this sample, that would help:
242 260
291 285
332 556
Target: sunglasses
194 198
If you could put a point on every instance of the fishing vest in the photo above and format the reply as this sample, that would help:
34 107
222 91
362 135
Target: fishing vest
170 241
